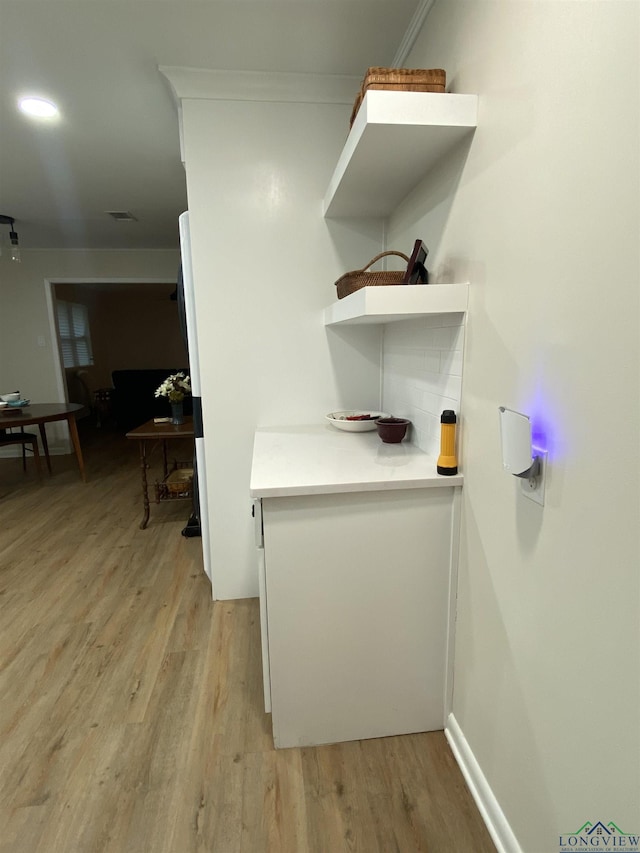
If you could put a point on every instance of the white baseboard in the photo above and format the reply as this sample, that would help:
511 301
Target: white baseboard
488 806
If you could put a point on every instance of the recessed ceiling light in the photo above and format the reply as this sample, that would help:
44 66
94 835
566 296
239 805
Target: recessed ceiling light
38 107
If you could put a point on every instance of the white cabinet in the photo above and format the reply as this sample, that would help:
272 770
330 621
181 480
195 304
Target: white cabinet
262 592
356 610
356 566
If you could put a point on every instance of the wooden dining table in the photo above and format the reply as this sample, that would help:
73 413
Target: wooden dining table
42 414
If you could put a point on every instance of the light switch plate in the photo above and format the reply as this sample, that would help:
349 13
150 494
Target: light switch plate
534 489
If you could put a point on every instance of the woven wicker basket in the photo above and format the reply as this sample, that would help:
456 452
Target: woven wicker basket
354 280
179 481
400 80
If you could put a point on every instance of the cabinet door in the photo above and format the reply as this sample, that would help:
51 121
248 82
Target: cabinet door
357 597
264 630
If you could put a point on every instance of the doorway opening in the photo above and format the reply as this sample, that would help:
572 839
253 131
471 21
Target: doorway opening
104 327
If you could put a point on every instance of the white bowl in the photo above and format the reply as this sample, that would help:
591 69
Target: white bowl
3 404
340 420
9 398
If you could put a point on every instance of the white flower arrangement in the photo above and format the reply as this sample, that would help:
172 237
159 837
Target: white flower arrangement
175 387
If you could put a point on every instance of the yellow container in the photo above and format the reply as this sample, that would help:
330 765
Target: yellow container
447 461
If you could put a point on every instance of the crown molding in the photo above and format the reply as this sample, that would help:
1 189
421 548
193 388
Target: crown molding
222 85
416 24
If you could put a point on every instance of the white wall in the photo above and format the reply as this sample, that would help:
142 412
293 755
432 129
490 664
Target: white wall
265 262
545 223
24 316
422 375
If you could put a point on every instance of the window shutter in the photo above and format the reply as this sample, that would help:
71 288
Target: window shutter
78 320
73 328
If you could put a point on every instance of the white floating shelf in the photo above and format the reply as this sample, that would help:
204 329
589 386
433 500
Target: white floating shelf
395 139
390 303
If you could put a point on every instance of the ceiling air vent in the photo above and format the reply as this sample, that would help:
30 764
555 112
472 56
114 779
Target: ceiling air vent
121 215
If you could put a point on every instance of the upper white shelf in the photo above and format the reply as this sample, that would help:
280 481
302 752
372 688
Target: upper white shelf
395 139
393 302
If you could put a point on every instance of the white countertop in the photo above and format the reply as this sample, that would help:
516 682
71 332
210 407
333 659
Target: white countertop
320 459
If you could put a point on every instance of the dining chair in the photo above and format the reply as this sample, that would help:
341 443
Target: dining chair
28 440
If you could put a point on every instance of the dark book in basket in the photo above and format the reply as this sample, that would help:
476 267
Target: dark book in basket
416 271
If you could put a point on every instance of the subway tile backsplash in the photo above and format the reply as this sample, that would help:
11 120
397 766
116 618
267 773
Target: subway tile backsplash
422 373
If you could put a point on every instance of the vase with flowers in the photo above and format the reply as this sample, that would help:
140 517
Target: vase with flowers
175 388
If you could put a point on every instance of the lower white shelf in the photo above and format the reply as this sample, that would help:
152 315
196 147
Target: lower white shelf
390 303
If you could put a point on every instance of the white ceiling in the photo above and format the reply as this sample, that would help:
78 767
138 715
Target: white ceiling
115 146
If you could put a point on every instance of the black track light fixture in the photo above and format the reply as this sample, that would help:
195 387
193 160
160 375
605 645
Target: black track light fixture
13 237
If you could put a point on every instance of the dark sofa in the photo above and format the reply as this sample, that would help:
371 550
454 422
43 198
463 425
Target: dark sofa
133 399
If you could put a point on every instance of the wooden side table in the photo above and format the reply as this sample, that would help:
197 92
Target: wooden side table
158 434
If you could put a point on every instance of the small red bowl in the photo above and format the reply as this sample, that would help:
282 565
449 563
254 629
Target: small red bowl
392 430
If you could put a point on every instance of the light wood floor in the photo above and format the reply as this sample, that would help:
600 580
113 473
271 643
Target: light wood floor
131 705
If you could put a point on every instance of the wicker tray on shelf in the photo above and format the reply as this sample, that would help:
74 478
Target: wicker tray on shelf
400 80
354 280
414 273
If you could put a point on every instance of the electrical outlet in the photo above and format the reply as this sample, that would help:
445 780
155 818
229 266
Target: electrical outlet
534 488
41 341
